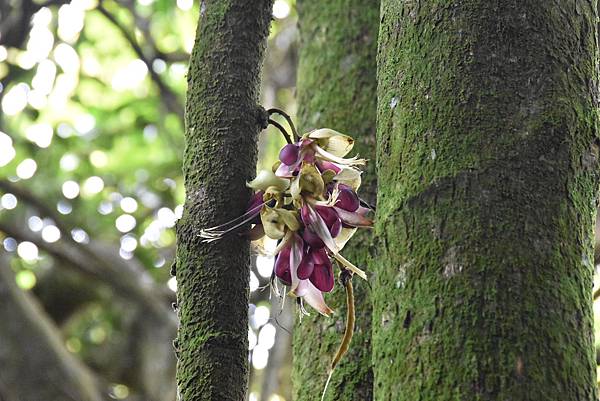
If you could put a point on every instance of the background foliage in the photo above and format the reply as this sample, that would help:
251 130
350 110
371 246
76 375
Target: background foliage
91 140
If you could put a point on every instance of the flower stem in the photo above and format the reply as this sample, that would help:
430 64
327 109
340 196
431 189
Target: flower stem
280 128
288 119
346 278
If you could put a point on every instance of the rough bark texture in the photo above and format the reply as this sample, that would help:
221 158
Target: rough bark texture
337 89
487 167
35 364
222 122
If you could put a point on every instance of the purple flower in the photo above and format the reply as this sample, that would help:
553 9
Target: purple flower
309 203
289 154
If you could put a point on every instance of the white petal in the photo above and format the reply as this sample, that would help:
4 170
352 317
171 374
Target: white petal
314 298
353 161
320 228
295 259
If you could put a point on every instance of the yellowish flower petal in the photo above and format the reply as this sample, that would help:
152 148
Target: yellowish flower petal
311 180
344 236
273 224
349 176
332 141
266 179
289 218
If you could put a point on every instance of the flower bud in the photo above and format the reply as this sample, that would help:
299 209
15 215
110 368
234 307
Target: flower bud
289 154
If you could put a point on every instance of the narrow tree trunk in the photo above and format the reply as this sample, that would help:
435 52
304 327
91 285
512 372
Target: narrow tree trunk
337 89
222 122
487 167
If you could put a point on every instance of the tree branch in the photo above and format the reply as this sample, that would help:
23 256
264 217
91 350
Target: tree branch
166 94
129 281
35 365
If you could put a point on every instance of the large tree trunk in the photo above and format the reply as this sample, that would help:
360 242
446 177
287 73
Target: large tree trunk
487 167
337 89
222 122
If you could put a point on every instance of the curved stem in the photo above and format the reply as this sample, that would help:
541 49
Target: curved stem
283 131
288 119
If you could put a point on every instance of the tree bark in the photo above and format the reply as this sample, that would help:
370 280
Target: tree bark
35 364
488 177
222 123
337 89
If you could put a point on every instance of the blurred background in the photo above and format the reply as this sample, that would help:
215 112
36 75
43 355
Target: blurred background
91 137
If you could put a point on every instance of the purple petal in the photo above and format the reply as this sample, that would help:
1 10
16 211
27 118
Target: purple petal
309 157
296 254
306 215
314 298
336 228
363 211
255 200
256 232
328 214
325 165
320 228
347 199
289 154
322 277
312 239
319 256
353 219
331 219
306 266
282 266
284 171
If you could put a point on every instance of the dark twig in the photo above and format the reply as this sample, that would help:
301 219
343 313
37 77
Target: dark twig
287 118
283 131
168 96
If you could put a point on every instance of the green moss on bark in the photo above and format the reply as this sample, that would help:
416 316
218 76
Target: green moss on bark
222 122
337 89
487 166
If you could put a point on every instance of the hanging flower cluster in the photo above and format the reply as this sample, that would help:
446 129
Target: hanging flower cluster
308 202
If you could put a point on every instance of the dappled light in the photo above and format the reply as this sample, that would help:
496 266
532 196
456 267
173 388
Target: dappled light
91 143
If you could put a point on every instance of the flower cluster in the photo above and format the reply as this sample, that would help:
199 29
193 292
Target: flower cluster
308 202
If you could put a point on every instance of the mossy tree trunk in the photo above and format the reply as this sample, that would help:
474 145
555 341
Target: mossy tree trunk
222 123
487 169
337 89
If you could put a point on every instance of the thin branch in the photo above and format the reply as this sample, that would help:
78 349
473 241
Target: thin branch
126 279
144 25
167 95
31 199
283 131
47 371
287 118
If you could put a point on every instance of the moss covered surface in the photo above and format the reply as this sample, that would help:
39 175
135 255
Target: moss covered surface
487 166
222 122
337 89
